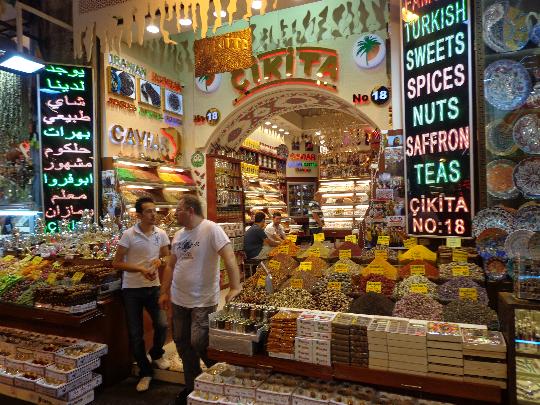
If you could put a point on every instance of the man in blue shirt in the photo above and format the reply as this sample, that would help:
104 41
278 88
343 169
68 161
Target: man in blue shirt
255 237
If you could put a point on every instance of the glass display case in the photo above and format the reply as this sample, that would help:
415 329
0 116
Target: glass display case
508 101
299 195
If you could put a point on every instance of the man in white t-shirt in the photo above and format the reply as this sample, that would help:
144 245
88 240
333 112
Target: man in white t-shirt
274 230
191 283
139 256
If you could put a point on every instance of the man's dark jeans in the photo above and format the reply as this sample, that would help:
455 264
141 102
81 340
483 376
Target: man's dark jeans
135 299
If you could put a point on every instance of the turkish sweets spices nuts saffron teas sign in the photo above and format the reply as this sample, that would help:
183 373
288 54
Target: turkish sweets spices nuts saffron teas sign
438 118
67 142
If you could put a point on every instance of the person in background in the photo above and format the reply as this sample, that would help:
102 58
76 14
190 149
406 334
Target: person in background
255 239
274 230
315 214
139 255
191 283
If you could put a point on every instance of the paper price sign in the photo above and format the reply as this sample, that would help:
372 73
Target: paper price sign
374 286
261 282
351 238
383 254
305 266
314 252
297 283
274 265
341 268
292 238
461 271
51 278
459 255
77 277
419 288
468 294
383 240
319 237
345 254
410 243
37 260
334 285
376 269
453 242
283 249
418 270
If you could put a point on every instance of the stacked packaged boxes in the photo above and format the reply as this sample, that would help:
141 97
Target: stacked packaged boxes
484 357
313 337
281 339
445 350
407 351
341 338
359 341
377 344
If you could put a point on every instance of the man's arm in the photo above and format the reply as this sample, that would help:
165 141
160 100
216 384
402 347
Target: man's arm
317 218
165 292
271 242
227 254
118 263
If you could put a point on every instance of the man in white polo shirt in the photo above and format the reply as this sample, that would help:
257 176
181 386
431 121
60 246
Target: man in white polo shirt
139 255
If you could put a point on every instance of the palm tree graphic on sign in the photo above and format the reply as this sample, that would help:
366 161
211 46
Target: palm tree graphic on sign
369 46
207 80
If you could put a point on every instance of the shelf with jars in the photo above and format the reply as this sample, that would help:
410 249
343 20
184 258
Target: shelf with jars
225 191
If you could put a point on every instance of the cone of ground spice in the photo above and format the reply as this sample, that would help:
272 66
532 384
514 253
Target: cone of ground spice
353 247
419 268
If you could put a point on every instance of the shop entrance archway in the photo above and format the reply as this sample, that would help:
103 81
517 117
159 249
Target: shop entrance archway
239 124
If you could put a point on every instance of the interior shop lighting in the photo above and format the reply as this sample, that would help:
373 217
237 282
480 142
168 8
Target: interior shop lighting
281 130
19 63
408 16
19 213
135 164
185 21
338 194
286 133
139 186
176 189
223 13
256 4
267 123
170 169
274 126
152 28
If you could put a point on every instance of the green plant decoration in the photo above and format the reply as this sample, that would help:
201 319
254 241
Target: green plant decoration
368 46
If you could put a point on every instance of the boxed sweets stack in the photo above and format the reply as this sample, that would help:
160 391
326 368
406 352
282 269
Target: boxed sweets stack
340 343
377 344
445 350
484 357
359 340
407 350
281 339
313 337
277 389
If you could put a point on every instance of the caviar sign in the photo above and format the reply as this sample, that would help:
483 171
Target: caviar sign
438 117
67 143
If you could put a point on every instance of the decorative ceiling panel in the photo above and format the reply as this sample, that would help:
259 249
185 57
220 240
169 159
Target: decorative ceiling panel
86 6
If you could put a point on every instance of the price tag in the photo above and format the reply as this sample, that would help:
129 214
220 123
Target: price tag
8 258
468 294
351 238
314 252
297 283
341 268
453 242
261 281
292 238
274 265
383 240
37 260
334 285
460 271
418 270
410 243
459 255
283 249
376 269
383 254
51 278
56 265
374 286
319 237
419 288
77 277
305 266
345 254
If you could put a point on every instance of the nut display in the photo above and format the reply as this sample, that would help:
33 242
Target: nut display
415 284
418 306
333 300
451 270
292 298
470 312
449 291
66 296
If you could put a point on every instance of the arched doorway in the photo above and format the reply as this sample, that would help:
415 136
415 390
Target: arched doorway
239 124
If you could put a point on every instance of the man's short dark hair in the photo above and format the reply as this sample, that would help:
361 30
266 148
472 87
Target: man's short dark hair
260 216
191 201
141 201
276 214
